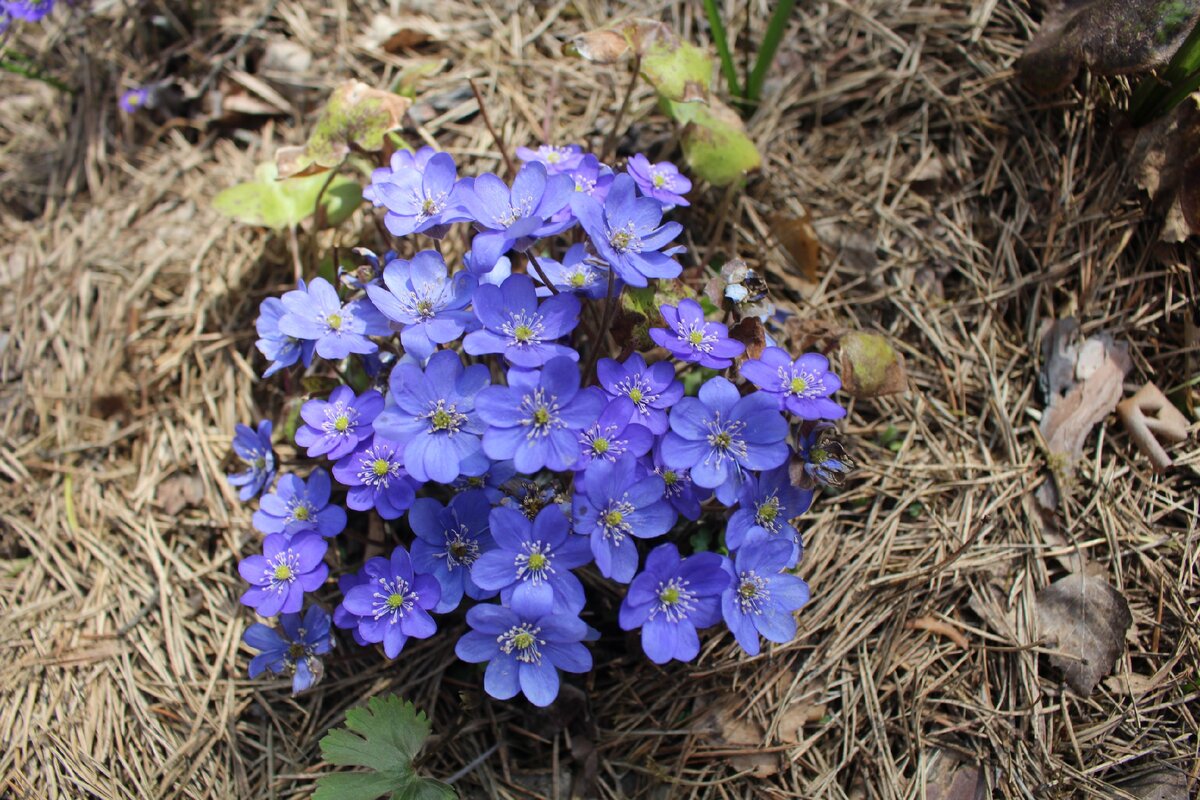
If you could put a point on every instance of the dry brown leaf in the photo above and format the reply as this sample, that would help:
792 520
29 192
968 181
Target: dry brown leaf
795 717
1084 619
949 778
751 333
737 736
178 492
1162 782
1166 159
799 241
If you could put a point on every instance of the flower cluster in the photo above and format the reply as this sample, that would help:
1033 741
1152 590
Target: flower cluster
510 454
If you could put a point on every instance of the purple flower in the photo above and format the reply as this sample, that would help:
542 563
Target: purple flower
336 426
691 338
679 490
761 597
536 419
620 502
393 603
662 181
524 651
297 506
449 540
295 650
287 568
823 457
419 199
626 233
721 434
768 503
281 349
488 476
342 618
433 413
134 99
803 387
316 313
671 598
592 178
577 273
612 435
555 158
652 389
513 219
28 10
425 301
515 325
376 477
254 448
531 565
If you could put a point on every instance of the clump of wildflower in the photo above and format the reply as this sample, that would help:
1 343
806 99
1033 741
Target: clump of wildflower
293 649
334 427
626 232
253 447
690 337
298 506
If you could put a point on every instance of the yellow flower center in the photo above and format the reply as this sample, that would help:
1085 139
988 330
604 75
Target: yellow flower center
283 573
301 513
817 456
458 550
442 420
696 337
578 280
660 181
768 511
380 467
395 600
541 416
342 423
722 440
799 385
537 561
523 640
613 518
600 446
522 333
669 596
670 478
334 321
636 395
747 590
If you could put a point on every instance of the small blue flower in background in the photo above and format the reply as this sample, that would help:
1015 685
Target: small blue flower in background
488 476
449 540
577 273
768 503
823 457
432 412
376 477
425 301
652 389
316 313
254 448
532 562
293 650
761 598
28 10
513 219
287 568
336 426
132 100
281 349
419 200
536 419
393 603
721 434
671 598
662 181
613 435
620 503
679 489
803 386
690 337
626 233
298 506
515 324
524 650
555 158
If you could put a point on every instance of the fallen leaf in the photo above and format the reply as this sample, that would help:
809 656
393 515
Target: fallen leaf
799 240
795 717
277 204
871 367
178 492
1163 782
714 140
950 778
725 731
354 116
1084 619
751 333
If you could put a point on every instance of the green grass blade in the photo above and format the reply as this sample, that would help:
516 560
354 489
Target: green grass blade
766 52
1158 94
722 43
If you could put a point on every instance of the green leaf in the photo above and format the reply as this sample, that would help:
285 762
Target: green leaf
715 143
677 70
277 204
360 785
426 789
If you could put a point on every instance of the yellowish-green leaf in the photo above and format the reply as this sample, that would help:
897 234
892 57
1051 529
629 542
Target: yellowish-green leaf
355 116
677 70
275 203
715 143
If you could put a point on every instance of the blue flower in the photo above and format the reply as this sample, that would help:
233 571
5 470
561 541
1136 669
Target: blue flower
342 618
671 598
449 540
28 10
287 568
802 387
555 159
418 199
393 603
692 338
662 181
620 502
254 448
653 389
297 506
281 349
517 326
721 434
425 301
316 313
433 413
577 274
768 503
531 565
134 99
626 233
376 477
679 489
336 426
293 650
612 435
592 178
488 476
761 597
823 458
514 219
536 419
524 651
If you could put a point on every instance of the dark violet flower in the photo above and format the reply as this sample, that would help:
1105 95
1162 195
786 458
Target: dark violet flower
293 650
532 562
28 10
281 349
134 99
671 598
488 476
432 412
761 597
514 219
821 459
316 313
626 233
652 389
524 651
393 603
298 506
690 337
287 568
620 502
425 301
254 448
376 477
418 199
612 435
555 158
577 273
721 434
449 540
803 387
679 489
336 426
536 419
517 326
662 181
768 504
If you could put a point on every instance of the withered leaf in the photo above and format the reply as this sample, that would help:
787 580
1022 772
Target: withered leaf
1085 619
751 333
871 367
948 778
355 116
724 729
1162 782
178 492
799 241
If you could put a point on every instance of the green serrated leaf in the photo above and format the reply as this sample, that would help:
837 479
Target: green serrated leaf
714 140
392 729
677 70
426 789
361 785
278 204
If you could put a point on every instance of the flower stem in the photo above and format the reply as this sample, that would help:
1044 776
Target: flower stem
610 308
538 268
508 163
610 141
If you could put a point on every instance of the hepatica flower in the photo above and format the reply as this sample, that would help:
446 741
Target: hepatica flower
298 506
555 158
393 603
253 447
626 233
768 504
418 200
134 99
512 219
612 435
620 504
671 598
432 412
531 565
336 426
293 648
576 273
316 313
287 568
427 303
761 597
721 434
678 488
487 476
449 540
662 181
341 617
524 650
803 387
821 458
652 389
517 326
376 477
28 10
690 337
281 349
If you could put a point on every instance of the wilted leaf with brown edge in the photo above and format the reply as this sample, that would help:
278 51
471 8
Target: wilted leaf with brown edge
798 239
355 116
871 367
1084 619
